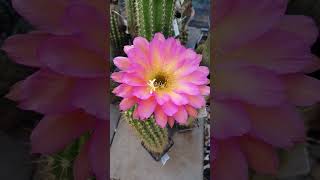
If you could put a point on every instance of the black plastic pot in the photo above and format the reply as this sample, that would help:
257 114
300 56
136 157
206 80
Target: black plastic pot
158 156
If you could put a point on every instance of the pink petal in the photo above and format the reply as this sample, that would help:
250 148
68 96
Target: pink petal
25 53
91 96
123 90
181 115
262 157
121 62
146 108
136 114
54 132
81 167
187 88
99 150
141 43
161 117
279 126
169 108
197 78
118 76
93 31
228 151
303 26
142 92
246 17
51 13
65 55
162 98
204 90
127 103
178 99
45 92
196 101
250 84
191 111
127 48
171 121
230 119
302 90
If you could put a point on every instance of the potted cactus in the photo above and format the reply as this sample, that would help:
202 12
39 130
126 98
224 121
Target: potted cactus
156 90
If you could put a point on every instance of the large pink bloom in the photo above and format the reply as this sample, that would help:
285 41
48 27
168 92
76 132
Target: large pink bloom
162 78
70 87
261 57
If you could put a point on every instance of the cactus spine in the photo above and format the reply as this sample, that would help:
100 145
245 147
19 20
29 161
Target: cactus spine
117 32
60 165
146 17
153 137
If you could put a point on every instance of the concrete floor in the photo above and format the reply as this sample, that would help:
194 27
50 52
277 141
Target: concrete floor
130 161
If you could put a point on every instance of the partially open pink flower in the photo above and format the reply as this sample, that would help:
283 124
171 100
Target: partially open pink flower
260 60
70 86
162 78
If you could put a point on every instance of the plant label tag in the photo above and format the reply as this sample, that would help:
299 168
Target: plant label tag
164 159
175 28
202 113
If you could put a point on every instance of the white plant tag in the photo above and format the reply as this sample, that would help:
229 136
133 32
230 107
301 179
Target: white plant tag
175 28
164 159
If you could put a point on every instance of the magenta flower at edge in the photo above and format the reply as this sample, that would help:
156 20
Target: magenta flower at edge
162 78
70 85
260 59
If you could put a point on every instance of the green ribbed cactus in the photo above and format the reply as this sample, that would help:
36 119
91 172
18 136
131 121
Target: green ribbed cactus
60 165
117 33
154 138
146 17
204 49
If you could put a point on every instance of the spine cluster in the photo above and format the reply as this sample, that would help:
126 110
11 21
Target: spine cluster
153 137
147 17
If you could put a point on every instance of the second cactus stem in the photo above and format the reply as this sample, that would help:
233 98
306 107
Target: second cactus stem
148 17
154 138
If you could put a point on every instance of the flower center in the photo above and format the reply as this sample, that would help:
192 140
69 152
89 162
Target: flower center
160 81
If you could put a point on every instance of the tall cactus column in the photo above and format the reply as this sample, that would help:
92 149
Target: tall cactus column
148 17
154 138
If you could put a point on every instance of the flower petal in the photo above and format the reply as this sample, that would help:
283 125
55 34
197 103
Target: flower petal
169 108
229 151
81 167
66 55
121 62
196 101
127 103
181 115
99 150
91 96
25 53
146 107
262 157
230 119
142 92
59 130
161 117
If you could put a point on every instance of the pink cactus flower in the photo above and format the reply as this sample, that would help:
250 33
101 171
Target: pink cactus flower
260 59
162 78
70 86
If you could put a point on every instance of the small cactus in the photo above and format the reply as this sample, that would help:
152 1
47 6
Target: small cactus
204 49
147 17
154 138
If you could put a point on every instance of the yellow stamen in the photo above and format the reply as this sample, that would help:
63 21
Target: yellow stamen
152 86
